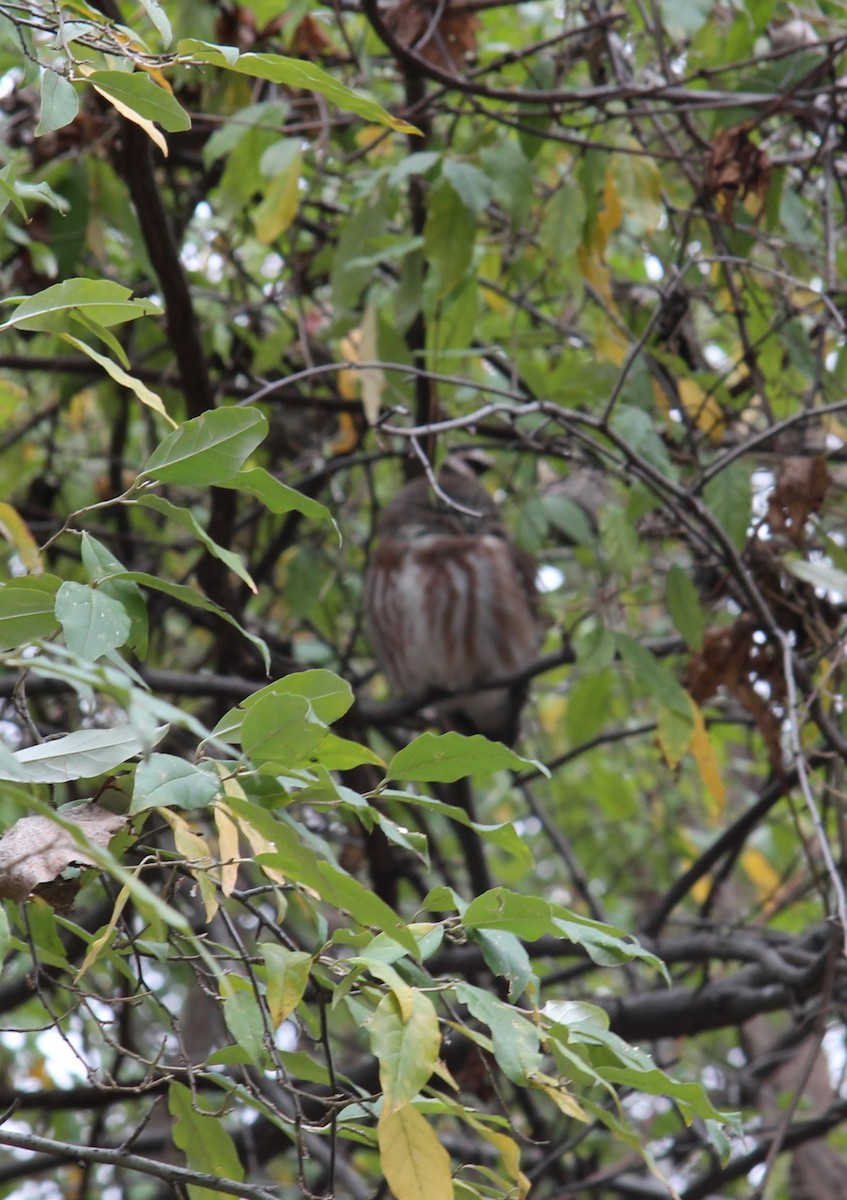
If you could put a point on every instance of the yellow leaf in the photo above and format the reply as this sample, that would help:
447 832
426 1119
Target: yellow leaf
609 217
98 943
703 410
595 275
347 438
375 142
141 390
509 1152
347 379
372 378
280 203
612 346
227 848
155 74
415 1164
560 1095
639 184
17 533
760 871
198 858
704 756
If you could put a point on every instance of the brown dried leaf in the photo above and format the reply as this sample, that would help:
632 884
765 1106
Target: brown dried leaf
443 43
310 39
36 850
800 491
736 167
731 658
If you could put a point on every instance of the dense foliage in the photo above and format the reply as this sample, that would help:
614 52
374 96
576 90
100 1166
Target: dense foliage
259 266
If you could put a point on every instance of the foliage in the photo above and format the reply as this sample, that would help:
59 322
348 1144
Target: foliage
256 265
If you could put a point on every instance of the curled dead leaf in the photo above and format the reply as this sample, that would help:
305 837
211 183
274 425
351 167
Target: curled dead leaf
736 167
35 851
441 35
800 491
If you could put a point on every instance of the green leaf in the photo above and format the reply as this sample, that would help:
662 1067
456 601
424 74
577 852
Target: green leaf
5 937
329 695
209 449
449 237
301 864
93 623
188 595
277 496
107 302
203 1139
165 781
159 18
244 1018
473 186
27 610
564 220
59 103
446 757
588 706
288 978
185 517
605 945
504 836
99 562
296 73
506 956
729 497
683 601
510 175
136 90
406 1047
653 676
683 18
84 754
281 730
528 917
515 1038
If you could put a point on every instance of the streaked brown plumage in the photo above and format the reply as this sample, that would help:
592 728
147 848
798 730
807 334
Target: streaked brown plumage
451 603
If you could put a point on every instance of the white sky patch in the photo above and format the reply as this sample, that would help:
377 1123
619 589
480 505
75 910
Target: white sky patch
549 578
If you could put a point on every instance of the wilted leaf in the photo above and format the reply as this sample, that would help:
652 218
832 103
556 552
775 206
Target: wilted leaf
800 491
36 850
736 167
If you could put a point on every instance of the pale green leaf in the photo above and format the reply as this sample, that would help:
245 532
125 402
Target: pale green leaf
59 103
